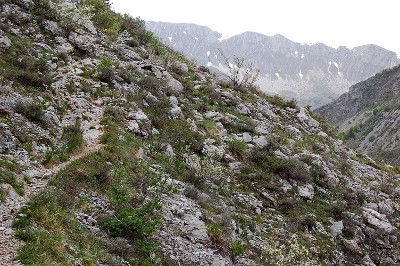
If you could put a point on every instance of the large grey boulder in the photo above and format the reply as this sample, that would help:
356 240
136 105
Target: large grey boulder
83 42
173 83
306 191
260 141
63 46
52 27
180 66
337 228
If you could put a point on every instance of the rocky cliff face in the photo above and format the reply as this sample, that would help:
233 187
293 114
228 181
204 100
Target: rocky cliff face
311 73
153 161
368 116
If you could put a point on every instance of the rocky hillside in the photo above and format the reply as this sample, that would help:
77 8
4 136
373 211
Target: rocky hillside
115 150
368 116
313 74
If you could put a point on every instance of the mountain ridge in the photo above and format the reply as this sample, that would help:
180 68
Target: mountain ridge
312 74
367 116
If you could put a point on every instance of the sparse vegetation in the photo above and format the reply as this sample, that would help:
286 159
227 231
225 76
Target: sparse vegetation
241 74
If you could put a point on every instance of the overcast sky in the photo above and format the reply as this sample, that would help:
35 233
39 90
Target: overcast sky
341 22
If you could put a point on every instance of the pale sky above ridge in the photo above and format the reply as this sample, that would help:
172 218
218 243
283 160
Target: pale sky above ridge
342 22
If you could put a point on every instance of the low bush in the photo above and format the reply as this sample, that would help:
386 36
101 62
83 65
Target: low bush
106 75
150 83
218 238
238 148
105 70
291 168
104 18
135 224
136 28
336 210
31 110
73 140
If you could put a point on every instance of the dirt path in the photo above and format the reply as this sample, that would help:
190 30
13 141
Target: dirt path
92 131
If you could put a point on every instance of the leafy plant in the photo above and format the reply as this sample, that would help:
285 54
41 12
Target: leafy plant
136 224
238 248
104 18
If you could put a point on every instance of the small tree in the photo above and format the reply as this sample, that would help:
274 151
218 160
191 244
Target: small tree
242 75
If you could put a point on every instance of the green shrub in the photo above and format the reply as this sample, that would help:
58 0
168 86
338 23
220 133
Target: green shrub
23 68
204 69
238 148
136 28
149 83
31 110
191 192
104 18
286 205
106 75
291 168
238 248
336 210
217 236
9 177
73 140
158 47
136 224
73 137
280 102
42 10
241 126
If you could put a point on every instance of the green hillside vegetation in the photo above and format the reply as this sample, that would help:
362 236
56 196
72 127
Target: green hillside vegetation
190 169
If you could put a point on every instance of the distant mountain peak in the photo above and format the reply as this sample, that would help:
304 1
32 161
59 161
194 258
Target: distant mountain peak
311 73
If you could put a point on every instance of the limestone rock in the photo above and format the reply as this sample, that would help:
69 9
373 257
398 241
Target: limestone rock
306 191
260 141
378 220
180 66
83 42
52 27
5 43
337 228
172 82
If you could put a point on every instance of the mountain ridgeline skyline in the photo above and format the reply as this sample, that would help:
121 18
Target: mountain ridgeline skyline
313 74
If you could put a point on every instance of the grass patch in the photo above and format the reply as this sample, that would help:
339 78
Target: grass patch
58 238
73 141
119 177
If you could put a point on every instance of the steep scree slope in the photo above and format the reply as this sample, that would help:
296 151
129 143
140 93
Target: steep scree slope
190 172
